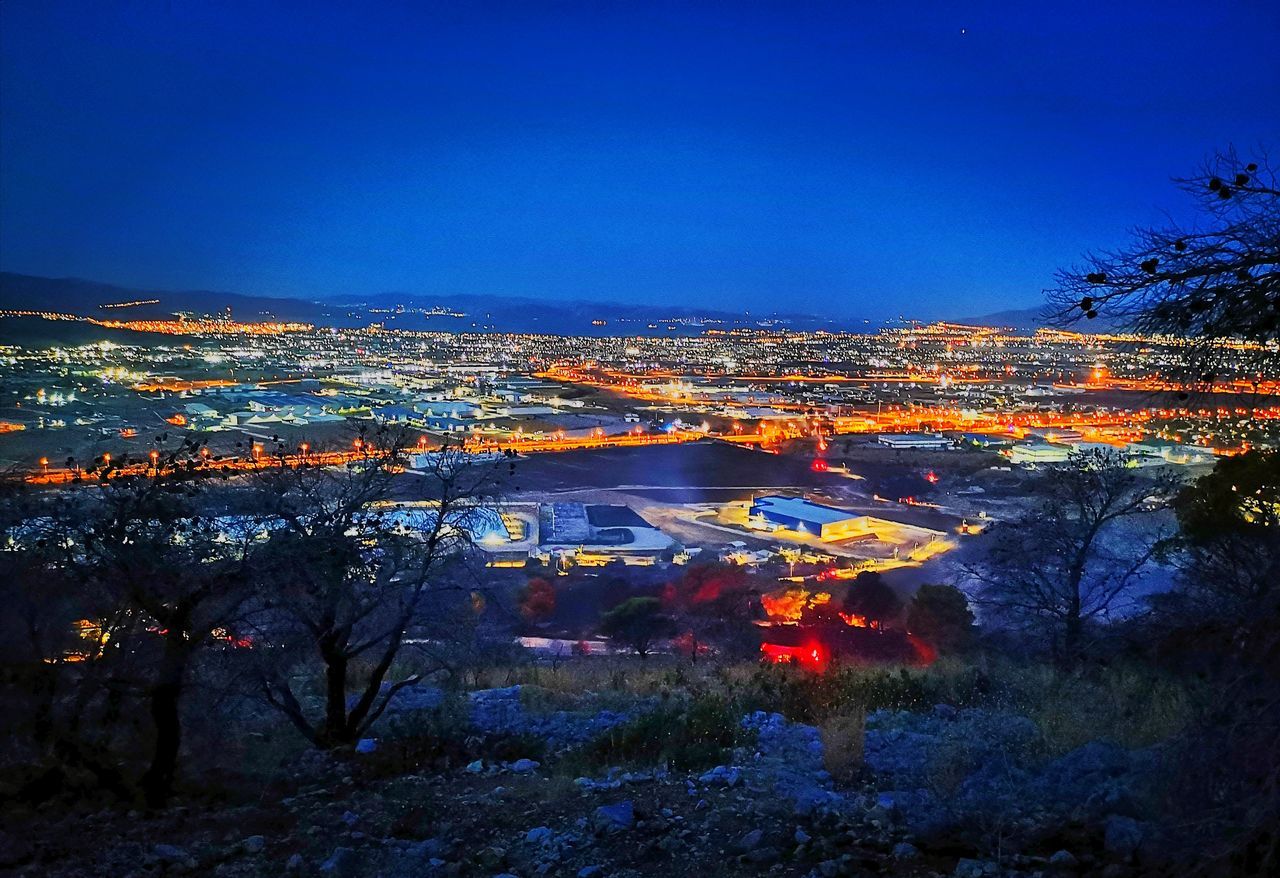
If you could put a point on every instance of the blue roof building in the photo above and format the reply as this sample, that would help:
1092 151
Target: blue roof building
807 517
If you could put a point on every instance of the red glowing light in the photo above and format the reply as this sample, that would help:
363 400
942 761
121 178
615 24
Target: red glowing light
924 652
819 465
811 656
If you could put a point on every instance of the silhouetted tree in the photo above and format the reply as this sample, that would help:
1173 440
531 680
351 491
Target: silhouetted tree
1215 279
870 597
714 603
347 574
166 579
1226 603
41 603
638 623
1075 557
940 616
537 599
1222 620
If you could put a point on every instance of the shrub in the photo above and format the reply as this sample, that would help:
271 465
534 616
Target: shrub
417 739
842 741
803 696
537 600
509 748
1129 706
697 734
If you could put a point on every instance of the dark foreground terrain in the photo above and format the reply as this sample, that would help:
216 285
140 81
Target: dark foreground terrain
581 774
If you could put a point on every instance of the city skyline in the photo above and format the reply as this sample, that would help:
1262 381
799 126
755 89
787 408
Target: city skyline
850 163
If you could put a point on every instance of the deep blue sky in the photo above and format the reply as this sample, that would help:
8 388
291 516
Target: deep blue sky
859 159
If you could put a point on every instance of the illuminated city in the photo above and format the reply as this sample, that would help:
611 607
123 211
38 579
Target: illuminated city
579 440
237 384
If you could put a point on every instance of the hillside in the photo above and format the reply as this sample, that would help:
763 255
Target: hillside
409 311
1031 319
86 298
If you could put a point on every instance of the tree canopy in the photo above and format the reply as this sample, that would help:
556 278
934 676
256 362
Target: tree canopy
940 616
638 623
871 598
1210 280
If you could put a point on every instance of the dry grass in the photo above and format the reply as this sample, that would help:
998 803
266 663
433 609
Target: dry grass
1127 706
1132 706
842 740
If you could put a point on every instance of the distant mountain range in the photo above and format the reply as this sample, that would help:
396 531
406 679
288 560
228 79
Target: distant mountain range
1021 318
459 313
85 298
1030 319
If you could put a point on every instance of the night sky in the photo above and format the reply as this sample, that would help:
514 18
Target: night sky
852 159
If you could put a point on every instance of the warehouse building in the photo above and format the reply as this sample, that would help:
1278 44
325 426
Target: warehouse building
1033 453
807 517
926 441
591 535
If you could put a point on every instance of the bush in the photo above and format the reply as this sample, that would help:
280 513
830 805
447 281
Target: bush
419 739
1129 706
802 696
694 735
842 742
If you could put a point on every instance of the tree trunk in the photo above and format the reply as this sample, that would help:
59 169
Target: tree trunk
45 690
1071 642
335 732
356 717
1073 630
157 782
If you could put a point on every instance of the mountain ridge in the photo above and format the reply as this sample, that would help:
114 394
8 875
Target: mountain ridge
447 312
464 312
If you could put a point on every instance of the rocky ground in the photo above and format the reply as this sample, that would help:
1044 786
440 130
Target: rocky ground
951 792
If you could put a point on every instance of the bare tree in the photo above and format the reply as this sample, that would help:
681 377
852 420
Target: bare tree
166 578
713 604
1075 558
348 574
40 606
1213 283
